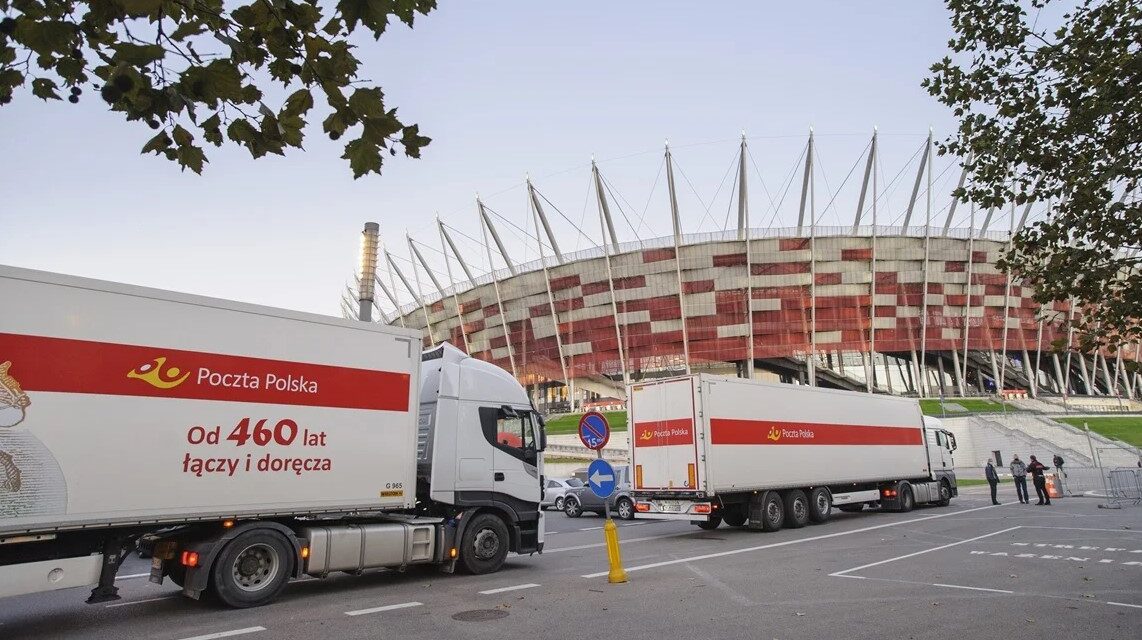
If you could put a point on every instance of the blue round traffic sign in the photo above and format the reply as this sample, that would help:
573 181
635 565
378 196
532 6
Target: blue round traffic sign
601 478
594 430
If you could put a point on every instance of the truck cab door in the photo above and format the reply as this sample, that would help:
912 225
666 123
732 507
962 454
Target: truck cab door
516 438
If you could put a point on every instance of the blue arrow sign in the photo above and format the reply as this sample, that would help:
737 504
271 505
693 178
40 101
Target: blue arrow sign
601 478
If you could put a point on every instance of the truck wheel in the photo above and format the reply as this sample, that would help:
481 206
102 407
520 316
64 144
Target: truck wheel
820 504
485 544
252 569
796 508
907 500
572 508
625 509
945 494
709 525
559 503
772 512
734 516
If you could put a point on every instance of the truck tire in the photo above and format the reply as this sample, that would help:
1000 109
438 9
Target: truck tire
772 511
572 508
709 525
907 498
796 508
820 505
945 494
624 508
734 515
252 569
485 544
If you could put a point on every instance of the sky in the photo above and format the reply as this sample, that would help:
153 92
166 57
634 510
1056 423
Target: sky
503 89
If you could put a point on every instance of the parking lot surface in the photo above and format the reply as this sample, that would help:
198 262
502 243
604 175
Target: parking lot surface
968 570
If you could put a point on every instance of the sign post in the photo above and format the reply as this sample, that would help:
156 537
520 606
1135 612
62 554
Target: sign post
595 431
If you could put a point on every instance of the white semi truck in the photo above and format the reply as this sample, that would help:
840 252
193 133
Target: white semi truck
246 445
711 449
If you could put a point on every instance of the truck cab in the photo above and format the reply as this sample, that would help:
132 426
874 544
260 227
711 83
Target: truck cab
941 446
480 444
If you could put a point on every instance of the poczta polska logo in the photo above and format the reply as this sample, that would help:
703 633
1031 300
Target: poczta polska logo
153 374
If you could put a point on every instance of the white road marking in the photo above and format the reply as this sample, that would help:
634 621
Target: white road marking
1123 604
960 586
227 634
127 604
390 607
133 575
1038 526
513 588
917 553
590 528
632 540
775 544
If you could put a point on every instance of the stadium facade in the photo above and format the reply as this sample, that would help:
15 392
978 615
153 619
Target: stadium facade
917 309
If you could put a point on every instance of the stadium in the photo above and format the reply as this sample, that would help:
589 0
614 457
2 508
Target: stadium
917 308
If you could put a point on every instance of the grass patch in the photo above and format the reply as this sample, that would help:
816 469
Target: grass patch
1126 429
933 407
569 423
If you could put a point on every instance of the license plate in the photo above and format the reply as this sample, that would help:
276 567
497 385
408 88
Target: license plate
669 506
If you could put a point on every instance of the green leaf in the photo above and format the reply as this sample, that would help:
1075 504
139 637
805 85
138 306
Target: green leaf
159 143
211 130
187 29
363 158
299 103
191 157
45 89
181 136
140 7
368 102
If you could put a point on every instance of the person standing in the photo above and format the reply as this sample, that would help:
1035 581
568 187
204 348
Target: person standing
1019 475
1037 470
992 480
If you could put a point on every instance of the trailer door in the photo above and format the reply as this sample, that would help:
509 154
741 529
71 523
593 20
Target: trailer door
664 449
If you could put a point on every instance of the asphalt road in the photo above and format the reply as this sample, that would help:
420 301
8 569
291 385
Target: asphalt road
969 570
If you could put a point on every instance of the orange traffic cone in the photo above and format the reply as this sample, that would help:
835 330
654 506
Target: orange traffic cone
1053 486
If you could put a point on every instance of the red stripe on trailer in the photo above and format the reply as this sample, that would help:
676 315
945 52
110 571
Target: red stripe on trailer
663 433
63 365
780 432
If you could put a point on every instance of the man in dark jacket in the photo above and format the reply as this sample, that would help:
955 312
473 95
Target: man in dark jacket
1037 469
992 480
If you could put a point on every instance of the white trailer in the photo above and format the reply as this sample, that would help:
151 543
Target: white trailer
244 445
710 449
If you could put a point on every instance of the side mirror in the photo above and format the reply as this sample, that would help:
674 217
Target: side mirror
541 434
951 441
507 411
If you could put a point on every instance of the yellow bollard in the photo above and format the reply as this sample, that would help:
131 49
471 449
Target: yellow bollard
617 575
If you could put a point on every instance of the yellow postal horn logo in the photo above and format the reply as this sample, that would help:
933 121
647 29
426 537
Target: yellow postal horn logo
647 434
774 434
153 374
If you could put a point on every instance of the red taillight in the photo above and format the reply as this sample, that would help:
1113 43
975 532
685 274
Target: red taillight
642 506
702 508
888 493
190 558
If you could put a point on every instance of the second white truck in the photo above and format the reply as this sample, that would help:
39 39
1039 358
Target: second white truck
711 449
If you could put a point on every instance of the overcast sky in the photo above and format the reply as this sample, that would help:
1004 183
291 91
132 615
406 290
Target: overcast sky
503 88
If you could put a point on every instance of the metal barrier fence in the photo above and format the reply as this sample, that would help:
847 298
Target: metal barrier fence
1124 486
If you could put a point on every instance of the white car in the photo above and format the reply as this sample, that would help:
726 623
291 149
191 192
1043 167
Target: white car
556 489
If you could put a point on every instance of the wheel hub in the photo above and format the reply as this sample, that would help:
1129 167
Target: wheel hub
255 567
487 544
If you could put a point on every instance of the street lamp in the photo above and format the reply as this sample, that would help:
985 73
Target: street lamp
370 238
